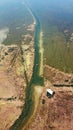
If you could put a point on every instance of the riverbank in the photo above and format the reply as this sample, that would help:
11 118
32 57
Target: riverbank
34 87
58 118
41 51
61 116
15 69
12 85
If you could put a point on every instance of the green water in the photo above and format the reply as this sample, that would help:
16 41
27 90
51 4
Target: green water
35 80
14 15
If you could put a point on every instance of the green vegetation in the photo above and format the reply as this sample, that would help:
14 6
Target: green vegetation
56 50
56 17
36 80
17 18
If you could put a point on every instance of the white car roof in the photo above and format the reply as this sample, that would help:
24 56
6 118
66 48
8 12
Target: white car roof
50 91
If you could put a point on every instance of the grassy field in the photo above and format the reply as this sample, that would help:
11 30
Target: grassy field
56 51
56 17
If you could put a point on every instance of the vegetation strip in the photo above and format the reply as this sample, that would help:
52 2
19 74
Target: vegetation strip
35 86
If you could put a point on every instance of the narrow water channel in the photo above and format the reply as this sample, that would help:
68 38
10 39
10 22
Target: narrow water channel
35 80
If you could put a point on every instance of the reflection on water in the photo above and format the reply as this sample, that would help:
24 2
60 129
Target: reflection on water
3 34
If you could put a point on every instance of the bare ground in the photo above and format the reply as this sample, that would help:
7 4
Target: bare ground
55 113
12 85
57 77
13 64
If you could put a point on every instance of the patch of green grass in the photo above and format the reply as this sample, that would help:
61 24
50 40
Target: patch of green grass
55 19
56 51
